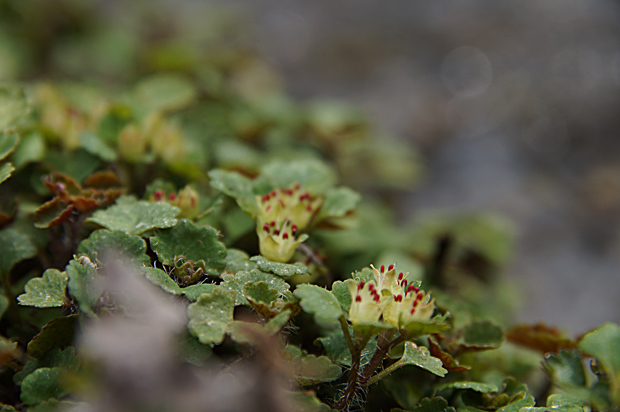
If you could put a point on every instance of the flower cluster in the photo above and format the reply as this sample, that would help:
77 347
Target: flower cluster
282 214
389 298
187 199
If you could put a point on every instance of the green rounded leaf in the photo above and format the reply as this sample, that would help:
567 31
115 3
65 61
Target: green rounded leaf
465 385
236 282
311 369
341 291
161 279
31 149
47 291
15 246
163 92
13 107
211 315
421 357
312 174
260 292
94 145
237 186
338 202
6 170
319 302
281 269
8 142
83 287
100 241
483 334
558 403
603 343
237 260
191 243
136 217
58 333
43 384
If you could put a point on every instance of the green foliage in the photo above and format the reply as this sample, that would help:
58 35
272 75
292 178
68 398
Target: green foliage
131 247
280 269
16 246
47 291
136 217
211 316
180 209
43 384
189 243
319 302
420 357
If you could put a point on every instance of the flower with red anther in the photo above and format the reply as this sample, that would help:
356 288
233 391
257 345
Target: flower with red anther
187 199
292 203
366 302
277 240
389 298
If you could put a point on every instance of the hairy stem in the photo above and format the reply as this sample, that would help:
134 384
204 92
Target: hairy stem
352 387
383 346
347 337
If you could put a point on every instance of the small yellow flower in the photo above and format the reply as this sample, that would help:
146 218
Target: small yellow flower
293 204
389 298
187 199
278 240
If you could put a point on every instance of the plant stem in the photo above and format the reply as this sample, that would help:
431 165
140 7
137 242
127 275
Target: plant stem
383 346
380 375
347 337
385 372
352 387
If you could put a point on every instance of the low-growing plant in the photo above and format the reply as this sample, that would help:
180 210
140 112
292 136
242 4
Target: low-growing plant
197 241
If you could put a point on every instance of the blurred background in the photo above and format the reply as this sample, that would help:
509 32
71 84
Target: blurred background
512 105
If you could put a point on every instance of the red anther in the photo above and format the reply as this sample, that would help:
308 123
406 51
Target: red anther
289 192
416 289
361 285
274 193
382 268
412 311
159 194
410 288
294 229
283 190
285 235
266 227
371 287
192 202
273 223
282 203
403 284
268 208
400 276
309 208
172 196
390 267
277 232
297 186
398 298
358 298
420 296
377 299
287 222
415 303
